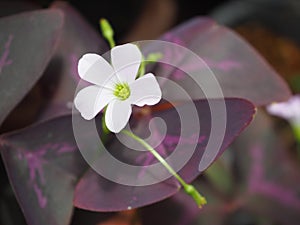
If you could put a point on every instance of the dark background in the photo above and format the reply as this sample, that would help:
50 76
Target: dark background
123 13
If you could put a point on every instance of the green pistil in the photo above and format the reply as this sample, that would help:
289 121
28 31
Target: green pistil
122 91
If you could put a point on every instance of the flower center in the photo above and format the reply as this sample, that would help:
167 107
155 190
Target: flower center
122 91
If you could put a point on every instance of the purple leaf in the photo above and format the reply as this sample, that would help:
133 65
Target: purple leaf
271 175
43 166
94 192
239 69
27 41
77 38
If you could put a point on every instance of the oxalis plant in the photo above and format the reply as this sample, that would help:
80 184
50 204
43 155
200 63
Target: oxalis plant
140 103
119 91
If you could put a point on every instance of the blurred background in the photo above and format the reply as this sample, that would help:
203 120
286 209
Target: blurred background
264 23
272 27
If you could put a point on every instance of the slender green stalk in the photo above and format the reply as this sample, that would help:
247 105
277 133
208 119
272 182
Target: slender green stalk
296 131
142 69
151 58
189 189
105 130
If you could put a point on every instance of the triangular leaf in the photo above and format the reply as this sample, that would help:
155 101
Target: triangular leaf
239 69
27 42
43 166
269 172
97 193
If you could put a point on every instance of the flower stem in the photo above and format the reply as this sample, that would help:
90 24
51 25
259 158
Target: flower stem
105 130
296 131
188 188
142 68
151 58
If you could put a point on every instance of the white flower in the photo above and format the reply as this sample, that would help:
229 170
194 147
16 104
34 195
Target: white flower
115 86
289 110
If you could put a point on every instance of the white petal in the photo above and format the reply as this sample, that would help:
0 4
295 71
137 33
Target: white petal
117 115
94 69
289 110
91 100
145 91
126 60
281 110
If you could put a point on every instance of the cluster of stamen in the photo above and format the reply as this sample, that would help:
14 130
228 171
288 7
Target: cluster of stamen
122 91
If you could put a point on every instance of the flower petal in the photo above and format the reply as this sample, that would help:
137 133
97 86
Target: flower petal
94 69
281 110
289 110
126 60
91 100
117 115
145 91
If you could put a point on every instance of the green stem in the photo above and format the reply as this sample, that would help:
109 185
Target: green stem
105 130
296 131
142 68
111 43
151 58
189 189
